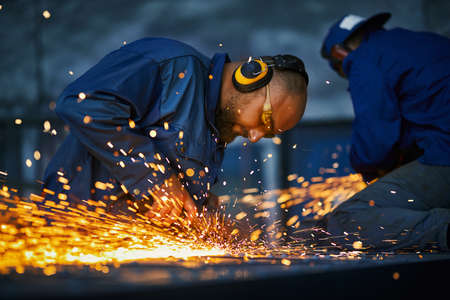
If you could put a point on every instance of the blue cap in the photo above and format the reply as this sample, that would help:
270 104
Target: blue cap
347 25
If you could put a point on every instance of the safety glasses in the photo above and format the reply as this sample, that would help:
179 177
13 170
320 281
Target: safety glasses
266 116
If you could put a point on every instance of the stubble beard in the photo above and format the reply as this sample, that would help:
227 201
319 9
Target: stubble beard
225 120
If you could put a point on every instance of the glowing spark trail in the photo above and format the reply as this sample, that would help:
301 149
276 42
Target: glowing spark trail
42 234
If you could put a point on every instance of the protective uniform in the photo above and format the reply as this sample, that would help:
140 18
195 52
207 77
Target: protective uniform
399 83
144 112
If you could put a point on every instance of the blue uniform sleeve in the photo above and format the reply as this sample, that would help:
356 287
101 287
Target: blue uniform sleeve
377 124
109 109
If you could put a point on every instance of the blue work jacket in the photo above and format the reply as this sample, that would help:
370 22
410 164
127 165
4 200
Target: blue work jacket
399 82
144 112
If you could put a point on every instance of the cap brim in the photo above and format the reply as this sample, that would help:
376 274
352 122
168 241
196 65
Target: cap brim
378 20
373 22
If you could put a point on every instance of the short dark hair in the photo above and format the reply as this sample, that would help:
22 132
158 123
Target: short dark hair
292 82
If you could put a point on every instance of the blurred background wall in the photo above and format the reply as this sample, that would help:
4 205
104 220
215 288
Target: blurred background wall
46 44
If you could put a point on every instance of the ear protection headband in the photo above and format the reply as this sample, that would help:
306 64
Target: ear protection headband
256 73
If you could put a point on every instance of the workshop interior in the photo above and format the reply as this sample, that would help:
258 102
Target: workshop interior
266 191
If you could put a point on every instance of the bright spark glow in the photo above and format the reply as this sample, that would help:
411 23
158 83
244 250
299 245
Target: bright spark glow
276 140
87 119
28 162
292 220
47 126
292 177
37 155
286 262
46 14
241 215
357 245
190 172
48 235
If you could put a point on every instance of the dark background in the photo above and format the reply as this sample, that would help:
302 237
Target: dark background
40 56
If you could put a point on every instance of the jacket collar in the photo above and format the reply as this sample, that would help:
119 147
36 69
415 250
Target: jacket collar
214 87
348 61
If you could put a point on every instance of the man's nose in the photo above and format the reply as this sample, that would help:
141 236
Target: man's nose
255 135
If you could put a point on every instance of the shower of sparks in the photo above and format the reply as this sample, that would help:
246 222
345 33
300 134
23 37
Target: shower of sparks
47 235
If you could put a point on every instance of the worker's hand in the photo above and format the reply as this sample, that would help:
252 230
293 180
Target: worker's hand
212 202
169 200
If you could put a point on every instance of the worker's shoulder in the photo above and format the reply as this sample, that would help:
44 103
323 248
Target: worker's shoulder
405 37
163 49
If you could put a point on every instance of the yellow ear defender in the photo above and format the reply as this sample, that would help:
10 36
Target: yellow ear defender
256 73
252 75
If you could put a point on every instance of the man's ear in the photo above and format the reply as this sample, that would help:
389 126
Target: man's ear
339 52
355 39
